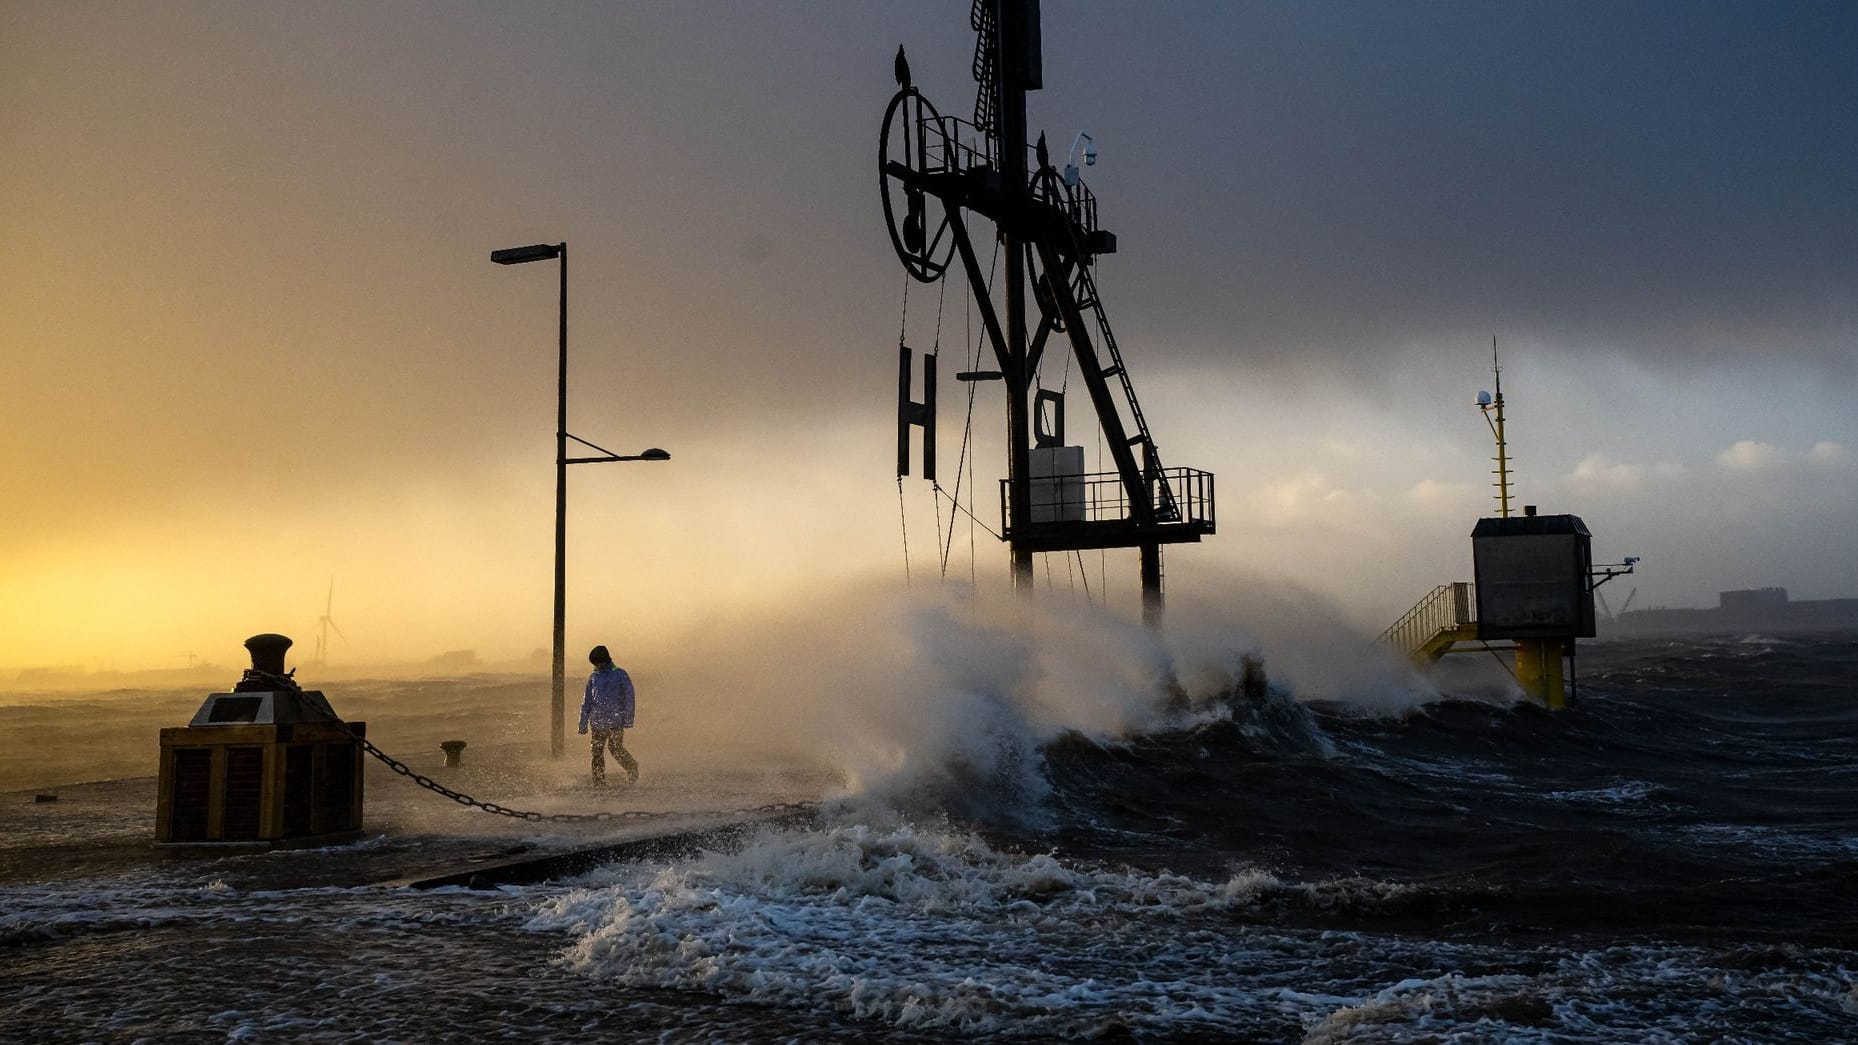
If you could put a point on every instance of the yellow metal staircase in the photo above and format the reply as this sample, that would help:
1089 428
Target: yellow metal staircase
1435 624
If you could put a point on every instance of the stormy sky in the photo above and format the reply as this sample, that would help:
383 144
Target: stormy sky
253 340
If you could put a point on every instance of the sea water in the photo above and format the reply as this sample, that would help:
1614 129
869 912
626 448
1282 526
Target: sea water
1673 858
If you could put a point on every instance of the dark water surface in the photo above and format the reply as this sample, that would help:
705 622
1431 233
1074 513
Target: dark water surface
1674 858
1697 788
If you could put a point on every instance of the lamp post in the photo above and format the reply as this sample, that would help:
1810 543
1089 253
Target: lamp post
557 702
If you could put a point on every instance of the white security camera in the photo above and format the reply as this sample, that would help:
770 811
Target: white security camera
1090 155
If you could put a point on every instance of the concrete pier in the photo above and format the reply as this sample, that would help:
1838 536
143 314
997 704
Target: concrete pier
413 838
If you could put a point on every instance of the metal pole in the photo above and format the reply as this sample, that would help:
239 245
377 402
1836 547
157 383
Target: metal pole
557 702
1009 70
1151 585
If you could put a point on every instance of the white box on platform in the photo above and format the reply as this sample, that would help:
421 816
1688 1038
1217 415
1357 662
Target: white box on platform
1057 480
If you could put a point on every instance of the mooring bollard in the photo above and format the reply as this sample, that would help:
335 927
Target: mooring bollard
265 762
454 753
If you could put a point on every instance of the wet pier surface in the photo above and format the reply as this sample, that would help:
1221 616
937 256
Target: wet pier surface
693 778
420 930
410 836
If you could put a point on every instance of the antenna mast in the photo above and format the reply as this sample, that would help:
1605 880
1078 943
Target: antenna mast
1496 427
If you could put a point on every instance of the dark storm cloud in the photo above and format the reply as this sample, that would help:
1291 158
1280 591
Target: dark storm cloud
1675 181
1295 185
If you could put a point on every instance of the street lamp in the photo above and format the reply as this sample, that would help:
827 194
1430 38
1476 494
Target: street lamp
557 737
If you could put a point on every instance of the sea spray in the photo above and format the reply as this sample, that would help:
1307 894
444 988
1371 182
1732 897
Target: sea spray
888 688
1305 642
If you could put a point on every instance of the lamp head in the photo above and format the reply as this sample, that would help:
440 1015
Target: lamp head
533 252
1483 399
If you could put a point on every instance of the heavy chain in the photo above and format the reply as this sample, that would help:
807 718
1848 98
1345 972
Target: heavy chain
289 685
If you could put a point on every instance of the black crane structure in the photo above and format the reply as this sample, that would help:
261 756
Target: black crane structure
936 171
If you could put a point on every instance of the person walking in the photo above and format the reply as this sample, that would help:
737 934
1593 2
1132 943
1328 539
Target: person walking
607 709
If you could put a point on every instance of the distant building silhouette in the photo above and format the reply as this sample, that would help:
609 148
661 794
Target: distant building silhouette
1748 609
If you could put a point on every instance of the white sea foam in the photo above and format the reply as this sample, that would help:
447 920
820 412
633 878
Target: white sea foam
1769 842
870 923
933 930
1620 793
1606 995
926 928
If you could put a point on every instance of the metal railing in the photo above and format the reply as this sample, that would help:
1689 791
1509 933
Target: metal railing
1448 608
1076 201
1179 495
952 145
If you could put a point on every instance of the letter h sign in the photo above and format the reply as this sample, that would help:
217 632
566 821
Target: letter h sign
911 413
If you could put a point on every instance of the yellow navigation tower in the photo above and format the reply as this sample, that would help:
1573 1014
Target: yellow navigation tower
1538 661
1534 580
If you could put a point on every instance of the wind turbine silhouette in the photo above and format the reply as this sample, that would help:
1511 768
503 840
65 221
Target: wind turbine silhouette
325 624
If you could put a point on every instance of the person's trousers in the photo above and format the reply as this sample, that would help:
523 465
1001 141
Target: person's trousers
614 738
